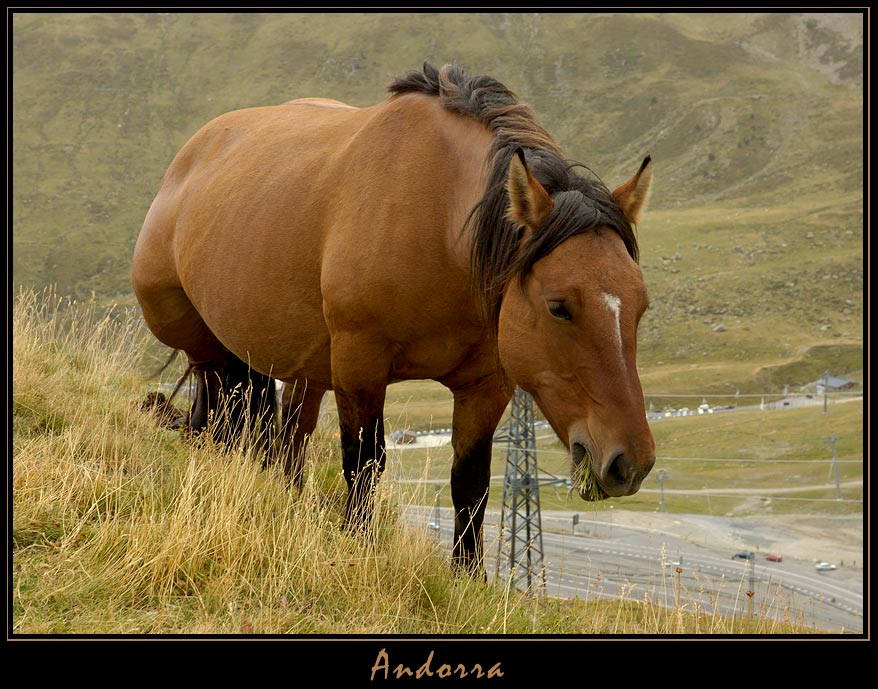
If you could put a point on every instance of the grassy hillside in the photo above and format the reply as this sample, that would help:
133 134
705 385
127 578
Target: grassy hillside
120 527
752 251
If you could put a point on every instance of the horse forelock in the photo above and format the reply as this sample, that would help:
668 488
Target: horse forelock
500 252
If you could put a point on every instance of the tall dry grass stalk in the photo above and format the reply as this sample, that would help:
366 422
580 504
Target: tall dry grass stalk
122 527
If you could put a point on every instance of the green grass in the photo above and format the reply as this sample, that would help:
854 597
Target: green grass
120 527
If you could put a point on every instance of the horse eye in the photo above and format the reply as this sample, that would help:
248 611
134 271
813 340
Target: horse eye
558 310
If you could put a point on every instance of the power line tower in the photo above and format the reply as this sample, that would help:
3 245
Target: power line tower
520 554
832 440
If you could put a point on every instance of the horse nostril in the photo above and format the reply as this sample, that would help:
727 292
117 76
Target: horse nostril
624 473
578 453
619 471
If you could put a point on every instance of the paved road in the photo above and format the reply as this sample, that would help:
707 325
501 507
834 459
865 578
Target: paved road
618 560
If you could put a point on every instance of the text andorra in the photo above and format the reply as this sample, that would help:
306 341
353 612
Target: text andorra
382 669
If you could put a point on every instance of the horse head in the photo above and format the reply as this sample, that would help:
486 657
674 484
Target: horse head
567 331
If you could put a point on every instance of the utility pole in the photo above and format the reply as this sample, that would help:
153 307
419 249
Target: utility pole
521 537
752 590
437 515
662 477
825 380
832 440
611 521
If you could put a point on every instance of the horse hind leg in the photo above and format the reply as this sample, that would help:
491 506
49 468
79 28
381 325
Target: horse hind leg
300 409
246 406
174 320
205 402
229 396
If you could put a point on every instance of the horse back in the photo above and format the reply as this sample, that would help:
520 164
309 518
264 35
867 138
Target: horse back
282 223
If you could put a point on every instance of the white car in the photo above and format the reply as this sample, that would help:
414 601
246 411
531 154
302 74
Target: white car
824 566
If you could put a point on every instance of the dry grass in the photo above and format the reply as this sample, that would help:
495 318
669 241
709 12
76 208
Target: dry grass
119 527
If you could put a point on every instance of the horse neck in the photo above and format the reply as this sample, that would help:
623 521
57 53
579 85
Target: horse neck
468 177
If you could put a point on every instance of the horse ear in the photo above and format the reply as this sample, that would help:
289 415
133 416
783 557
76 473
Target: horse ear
529 203
633 195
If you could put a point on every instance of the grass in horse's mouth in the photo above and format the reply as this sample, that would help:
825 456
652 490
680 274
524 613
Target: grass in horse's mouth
582 476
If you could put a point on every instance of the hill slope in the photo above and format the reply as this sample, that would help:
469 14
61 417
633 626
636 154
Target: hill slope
755 122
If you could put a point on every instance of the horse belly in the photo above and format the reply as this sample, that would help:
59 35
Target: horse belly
247 244
266 321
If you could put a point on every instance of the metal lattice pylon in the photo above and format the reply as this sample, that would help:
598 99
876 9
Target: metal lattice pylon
520 553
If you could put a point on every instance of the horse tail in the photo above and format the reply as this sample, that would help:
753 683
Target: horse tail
181 380
173 356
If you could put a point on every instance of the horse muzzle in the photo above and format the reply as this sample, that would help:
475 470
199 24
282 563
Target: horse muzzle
621 474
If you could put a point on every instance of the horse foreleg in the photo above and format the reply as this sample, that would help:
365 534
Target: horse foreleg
300 408
360 367
363 456
477 411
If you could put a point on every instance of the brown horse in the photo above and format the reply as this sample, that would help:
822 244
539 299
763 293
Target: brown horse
440 234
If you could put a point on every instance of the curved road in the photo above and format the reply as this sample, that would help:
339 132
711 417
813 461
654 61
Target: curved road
620 560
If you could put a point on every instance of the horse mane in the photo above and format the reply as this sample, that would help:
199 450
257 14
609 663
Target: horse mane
581 204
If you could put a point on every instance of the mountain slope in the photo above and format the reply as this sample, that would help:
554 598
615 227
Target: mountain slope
755 122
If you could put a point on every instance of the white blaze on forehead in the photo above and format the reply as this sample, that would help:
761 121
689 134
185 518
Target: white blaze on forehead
614 304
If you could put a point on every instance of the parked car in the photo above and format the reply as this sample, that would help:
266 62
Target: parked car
743 555
774 558
404 437
824 566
